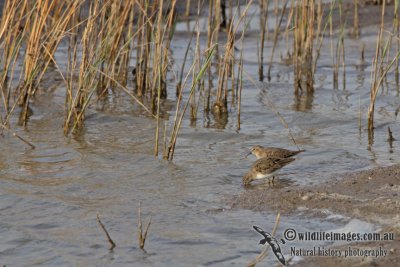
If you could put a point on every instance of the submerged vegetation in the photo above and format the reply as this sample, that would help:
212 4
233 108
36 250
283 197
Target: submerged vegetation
126 45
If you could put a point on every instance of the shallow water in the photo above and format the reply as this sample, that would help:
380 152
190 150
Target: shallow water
49 196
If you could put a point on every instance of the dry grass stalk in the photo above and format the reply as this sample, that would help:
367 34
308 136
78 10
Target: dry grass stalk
379 72
105 47
87 77
276 34
194 104
340 54
263 25
396 30
356 23
180 111
240 80
163 37
142 236
11 35
210 31
226 65
46 27
112 243
187 11
303 47
321 33
376 81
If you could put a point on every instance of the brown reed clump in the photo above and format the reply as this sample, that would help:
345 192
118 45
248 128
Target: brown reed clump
304 18
44 23
379 70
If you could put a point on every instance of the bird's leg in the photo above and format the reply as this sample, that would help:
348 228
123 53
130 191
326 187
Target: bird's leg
273 180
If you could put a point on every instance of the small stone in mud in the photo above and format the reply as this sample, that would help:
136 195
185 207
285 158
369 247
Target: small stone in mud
305 197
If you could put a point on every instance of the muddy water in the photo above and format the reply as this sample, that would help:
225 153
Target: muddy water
49 197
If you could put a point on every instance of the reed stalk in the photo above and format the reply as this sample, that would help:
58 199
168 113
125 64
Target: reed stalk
303 47
142 236
109 239
356 23
276 34
180 112
397 34
12 39
263 24
321 33
379 72
226 64
47 26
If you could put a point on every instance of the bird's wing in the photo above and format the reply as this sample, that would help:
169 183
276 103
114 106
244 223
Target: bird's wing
273 243
271 164
267 236
258 229
277 251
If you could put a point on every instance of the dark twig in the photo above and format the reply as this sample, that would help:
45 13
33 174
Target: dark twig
19 137
390 138
112 244
142 237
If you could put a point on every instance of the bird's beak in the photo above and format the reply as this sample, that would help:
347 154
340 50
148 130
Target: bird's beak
248 154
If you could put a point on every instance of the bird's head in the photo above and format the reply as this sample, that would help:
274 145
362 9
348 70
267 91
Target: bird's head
255 150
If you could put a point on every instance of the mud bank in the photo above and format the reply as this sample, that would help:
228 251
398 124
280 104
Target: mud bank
371 196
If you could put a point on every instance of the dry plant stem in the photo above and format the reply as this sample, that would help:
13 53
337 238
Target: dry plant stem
142 236
87 77
322 34
273 108
179 118
240 76
390 135
127 91
240 85
195 104
179 85
276 34
112 244
19 137
157 70
375 81
288 28
397 34
264 253
209 45
356 24
165 139
263 23
228 58
339 49
44 34
187 12
374 92
12 41
303 46
359 114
